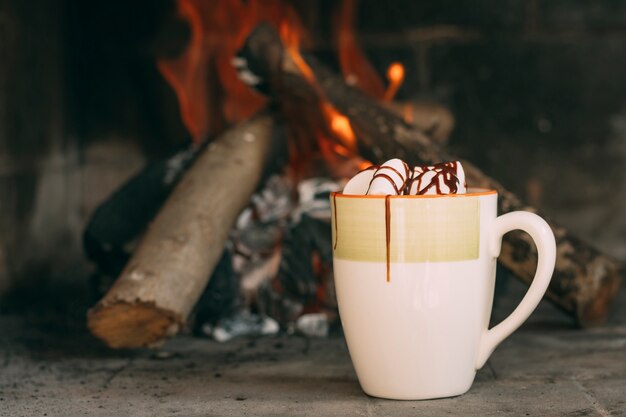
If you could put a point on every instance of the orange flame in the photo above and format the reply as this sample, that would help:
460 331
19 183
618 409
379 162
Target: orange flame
206 84
347 148
186 75
395 75
341 128
211 96
355 67
291 39
344 143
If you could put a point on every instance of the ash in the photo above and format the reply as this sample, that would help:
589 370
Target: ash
276 272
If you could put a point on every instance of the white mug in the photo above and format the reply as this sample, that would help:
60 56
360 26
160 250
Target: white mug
415 278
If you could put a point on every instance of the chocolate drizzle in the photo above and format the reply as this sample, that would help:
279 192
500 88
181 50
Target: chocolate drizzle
444 173
404 185
388 233
335 214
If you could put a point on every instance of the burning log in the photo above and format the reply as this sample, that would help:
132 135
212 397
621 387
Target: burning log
585 280
172 264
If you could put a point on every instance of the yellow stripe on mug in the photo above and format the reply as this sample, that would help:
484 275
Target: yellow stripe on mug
420 229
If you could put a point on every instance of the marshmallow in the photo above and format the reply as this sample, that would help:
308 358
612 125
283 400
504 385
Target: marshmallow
421 180
360 182
395 178
390 178
444 178
460 176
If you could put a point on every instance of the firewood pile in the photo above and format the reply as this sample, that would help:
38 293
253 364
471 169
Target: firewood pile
236 233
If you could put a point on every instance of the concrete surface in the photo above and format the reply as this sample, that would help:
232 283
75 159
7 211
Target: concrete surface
547 368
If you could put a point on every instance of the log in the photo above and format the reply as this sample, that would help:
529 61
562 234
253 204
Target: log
585 281
432 118
172 264
123 217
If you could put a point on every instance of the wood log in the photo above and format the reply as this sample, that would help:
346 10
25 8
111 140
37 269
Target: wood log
585 281
432 118
173 262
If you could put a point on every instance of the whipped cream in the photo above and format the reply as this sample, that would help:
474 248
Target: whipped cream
394 177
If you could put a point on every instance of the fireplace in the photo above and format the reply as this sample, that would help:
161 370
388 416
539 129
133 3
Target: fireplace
110 127
92 93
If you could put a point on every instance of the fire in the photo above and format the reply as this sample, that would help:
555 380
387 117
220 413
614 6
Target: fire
209 92
343 150
355 67
341 128
292 41
211 96
186 77
395 75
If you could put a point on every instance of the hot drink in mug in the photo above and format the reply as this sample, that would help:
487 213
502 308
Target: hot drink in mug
415 277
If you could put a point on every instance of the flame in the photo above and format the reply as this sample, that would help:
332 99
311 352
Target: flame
395 76
185 74
341 128
355 67
209 92
342 143
211 96
292 41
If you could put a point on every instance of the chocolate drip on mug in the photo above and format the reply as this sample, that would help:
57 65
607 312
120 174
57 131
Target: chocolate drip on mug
335 214
388 233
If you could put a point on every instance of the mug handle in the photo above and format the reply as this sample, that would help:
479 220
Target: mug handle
542 235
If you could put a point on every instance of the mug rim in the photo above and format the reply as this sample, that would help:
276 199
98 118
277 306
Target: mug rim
477 192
